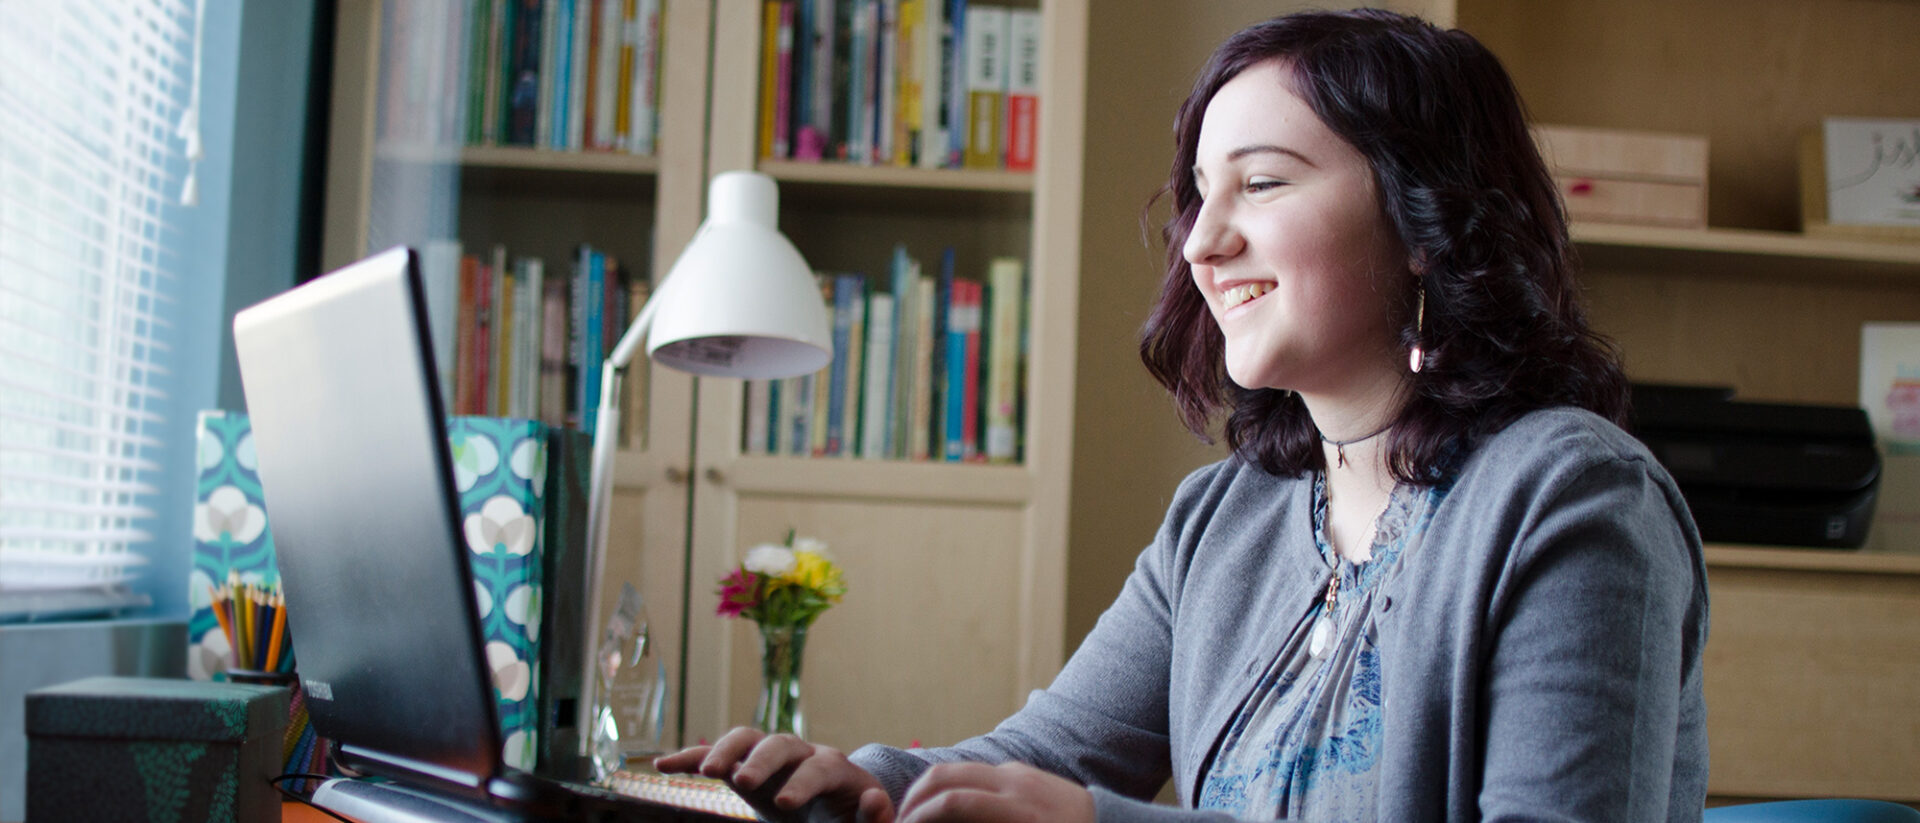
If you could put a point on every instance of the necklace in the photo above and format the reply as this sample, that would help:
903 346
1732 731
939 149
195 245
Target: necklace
1340 446
1320 639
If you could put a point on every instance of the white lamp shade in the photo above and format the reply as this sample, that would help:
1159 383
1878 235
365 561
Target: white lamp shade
741 301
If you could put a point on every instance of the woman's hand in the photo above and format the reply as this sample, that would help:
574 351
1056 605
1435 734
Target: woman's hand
787 773
1007 793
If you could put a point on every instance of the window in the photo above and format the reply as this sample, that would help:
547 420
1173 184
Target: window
98 119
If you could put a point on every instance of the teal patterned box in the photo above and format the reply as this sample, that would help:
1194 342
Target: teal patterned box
135 748
522 490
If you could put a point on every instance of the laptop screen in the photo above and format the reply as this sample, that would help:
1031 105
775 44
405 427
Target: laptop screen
355 468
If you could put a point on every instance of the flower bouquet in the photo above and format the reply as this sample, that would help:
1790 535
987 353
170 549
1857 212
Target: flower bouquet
782 589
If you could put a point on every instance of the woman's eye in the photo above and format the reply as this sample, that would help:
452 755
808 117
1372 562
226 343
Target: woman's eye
1259 184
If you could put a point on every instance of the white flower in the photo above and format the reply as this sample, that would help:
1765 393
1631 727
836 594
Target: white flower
770 560
810 544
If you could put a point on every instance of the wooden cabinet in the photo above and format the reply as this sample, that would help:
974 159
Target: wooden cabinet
1813 661
956 572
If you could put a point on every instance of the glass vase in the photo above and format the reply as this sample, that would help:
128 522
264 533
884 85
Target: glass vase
781 648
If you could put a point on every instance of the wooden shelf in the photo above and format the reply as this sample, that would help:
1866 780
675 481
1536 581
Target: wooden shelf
1722 555
522 157
996 180
901 480
1744 252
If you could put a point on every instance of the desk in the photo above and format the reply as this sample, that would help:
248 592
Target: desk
294 811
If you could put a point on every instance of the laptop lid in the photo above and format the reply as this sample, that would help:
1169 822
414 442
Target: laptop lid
350 433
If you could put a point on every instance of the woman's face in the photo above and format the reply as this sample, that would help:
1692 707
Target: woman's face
1291 249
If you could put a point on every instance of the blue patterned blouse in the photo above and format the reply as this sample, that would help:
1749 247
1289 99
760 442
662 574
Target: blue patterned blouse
1304 745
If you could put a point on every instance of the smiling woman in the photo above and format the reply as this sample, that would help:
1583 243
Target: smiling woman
1435 580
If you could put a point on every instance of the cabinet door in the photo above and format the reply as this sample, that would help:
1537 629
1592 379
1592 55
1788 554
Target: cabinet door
955 571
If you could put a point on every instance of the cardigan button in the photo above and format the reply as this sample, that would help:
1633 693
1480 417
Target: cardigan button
1386 604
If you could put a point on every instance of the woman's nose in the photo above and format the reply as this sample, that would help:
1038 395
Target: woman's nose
1213 238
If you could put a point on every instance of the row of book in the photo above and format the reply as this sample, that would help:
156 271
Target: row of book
526 341
927 83
554 74
930 368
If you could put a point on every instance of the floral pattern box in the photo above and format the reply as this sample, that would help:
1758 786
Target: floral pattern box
522 491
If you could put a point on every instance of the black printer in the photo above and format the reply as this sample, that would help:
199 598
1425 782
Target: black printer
1763 472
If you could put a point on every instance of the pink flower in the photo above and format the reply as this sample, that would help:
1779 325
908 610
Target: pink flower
737 592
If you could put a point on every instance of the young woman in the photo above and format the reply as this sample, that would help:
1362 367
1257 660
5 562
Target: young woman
1435 580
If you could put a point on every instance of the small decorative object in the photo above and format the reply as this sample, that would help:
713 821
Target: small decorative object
782 588
630 697
1890 392
1860 177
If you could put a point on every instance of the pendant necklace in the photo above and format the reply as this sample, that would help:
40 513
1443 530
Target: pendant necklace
1321 638
1340 446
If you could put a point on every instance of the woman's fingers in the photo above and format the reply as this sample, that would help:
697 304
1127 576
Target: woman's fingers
769 756
726 754
955 792
684 761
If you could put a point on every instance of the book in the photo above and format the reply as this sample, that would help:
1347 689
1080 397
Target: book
986 73
440 266
856 365
930 50
887 81
954 70
815 104
797 427
506 290
937 362
499 304
1023 88
467 321
553 351
609 44
479 31
876 392
904 276
1006 274
822 381
591 279
579 82
970 370
963 320
849 290
549 76
757 409
770 14
644 85
523 75
920 416
860 62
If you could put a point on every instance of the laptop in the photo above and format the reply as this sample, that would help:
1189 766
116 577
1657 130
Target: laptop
350 433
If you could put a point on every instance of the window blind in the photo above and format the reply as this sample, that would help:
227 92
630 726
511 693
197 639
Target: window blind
95 118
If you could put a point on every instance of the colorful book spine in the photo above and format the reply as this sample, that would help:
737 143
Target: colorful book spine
955 71
468 321
986 85
1023 88
756 417
879 373
970 406
548 96
800 75
812 137
920 417
1007 275
783 82
908 65
860 83
523 75
848 291
769 74
645 85
856 364
479 29
932 48
942 311
954 441
579 84
609 44
887 80
797 434
553 351
593 318
905 277
501 392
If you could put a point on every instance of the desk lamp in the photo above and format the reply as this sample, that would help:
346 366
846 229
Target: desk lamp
739 302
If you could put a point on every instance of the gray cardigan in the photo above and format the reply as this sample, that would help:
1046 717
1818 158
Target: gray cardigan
1540 648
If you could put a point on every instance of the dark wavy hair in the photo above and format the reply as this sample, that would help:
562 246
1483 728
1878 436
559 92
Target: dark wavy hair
1462 184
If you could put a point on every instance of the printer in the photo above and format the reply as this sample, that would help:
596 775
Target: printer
1763 472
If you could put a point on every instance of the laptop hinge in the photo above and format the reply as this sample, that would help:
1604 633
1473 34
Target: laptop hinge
392 765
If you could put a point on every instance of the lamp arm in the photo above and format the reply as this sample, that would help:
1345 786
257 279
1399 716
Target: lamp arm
606 437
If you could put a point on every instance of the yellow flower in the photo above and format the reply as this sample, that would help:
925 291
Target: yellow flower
812 570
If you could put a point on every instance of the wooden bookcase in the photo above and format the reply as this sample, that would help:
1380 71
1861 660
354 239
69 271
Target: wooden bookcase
955 571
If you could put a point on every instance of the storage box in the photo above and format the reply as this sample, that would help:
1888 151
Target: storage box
522 491
1815 219
1632 177
148 749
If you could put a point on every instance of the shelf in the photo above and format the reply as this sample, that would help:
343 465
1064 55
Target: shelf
522 157
889 188
1010 485
1743 252
1721 555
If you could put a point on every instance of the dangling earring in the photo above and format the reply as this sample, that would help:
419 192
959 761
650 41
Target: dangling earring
1417 358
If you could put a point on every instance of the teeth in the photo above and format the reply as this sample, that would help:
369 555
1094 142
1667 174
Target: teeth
1244 292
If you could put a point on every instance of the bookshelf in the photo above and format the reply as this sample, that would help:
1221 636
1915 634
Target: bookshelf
541 202
956 571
